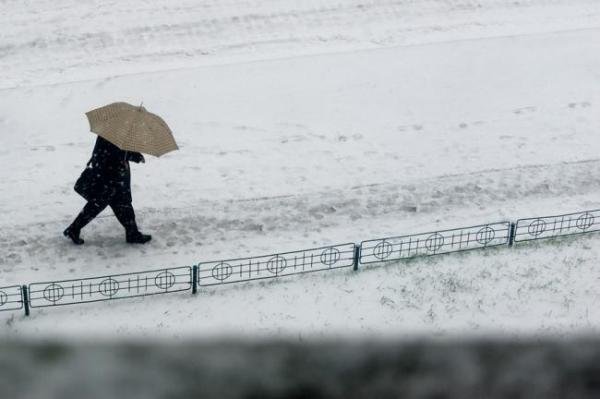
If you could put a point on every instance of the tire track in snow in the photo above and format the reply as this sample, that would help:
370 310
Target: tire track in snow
134 36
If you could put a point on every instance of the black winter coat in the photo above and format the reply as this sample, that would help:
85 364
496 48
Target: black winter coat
112 178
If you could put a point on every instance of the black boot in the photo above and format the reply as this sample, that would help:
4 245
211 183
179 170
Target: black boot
73 234
126 216
89 212
138 238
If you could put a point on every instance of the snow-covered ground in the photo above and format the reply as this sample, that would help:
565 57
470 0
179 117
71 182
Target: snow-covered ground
301 126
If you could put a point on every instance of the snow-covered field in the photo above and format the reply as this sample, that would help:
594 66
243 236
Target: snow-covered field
303 125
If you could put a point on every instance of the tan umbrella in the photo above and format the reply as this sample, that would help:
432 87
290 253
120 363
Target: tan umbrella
132 128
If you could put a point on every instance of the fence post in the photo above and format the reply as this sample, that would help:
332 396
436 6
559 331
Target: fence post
194 279
25 299
511 236
356 256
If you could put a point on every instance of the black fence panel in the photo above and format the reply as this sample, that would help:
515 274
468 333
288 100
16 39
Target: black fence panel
117 286
168 280
555 226
11 298
435 243
276 265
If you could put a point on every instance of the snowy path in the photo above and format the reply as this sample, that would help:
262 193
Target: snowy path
226 229
311 150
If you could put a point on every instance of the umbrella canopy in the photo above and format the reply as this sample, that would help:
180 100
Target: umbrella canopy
132 128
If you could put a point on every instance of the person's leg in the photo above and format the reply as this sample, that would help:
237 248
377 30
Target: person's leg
89 212
126 216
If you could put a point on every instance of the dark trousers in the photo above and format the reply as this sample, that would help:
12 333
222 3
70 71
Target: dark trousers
123 211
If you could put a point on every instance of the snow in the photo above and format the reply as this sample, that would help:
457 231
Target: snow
301 126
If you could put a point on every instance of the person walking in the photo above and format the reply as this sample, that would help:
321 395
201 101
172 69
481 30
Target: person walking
111 187
124 131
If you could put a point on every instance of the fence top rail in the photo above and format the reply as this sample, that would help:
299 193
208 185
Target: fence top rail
189 268
558 216
278 253
506 223
6 287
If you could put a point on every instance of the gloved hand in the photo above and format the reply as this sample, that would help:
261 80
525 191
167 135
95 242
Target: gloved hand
136 157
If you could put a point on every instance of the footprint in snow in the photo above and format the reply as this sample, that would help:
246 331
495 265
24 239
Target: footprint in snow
584 104
524 110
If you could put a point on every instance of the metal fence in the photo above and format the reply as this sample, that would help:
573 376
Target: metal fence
220 272
435 243
556 226
11 298
276 265
106 288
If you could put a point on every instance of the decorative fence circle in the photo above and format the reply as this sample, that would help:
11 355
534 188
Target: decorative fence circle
434 242
485 235
108 287
54 293
164 280
585 221
222 271
536 227
276 264
382 250
330 256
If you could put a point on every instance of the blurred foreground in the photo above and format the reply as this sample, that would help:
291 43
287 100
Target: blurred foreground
227 369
